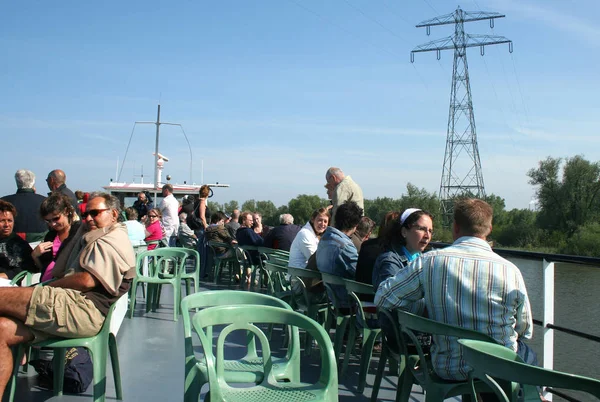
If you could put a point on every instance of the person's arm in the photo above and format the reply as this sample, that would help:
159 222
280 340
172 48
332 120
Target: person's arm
308 246
403 289
38 251
349 257
523 317
82 281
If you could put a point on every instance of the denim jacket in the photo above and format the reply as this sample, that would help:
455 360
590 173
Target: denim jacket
387 264
337 255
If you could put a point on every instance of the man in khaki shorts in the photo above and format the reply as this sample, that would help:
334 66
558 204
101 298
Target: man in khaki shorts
98 271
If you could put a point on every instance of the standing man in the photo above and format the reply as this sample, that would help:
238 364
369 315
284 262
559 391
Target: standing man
98 272
56 181
466 285
170 220
342 188
29 224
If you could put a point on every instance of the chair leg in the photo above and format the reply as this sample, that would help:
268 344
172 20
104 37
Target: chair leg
369 338
177 299
132 298
405 382
340 330
59 370
116 368
379 375
99 363
349 347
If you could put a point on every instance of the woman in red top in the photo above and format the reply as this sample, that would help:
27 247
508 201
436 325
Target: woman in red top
154 230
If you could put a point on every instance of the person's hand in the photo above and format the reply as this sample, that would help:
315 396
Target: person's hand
41 248
234 242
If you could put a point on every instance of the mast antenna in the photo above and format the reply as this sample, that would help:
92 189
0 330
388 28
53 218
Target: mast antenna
461 172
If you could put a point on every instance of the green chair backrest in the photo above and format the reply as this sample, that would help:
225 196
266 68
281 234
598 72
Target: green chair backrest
488 359
304 273
23 275
336 281
355 288
163 259
409 323
191 254
244 318
277 278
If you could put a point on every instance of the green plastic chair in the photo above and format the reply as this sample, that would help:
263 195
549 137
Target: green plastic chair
99 346
24 277
247 369
395 356
277 284
220 262
244 318
343 320
256 269
160 261
370 332
303 302
491 363
192 275
420 370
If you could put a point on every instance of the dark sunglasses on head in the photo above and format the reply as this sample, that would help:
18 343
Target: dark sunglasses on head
93 213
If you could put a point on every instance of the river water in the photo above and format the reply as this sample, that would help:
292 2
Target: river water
575 294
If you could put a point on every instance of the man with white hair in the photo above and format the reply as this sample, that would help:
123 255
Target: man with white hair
282 236
342 188
28 222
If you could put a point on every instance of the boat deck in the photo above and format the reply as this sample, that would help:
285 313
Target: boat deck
151 354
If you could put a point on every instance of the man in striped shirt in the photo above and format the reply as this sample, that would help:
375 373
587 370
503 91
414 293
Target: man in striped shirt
466 285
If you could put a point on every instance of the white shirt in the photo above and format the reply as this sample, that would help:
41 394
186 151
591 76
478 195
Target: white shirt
170 220
304 245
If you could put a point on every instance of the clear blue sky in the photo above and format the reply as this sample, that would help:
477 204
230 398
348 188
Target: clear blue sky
272 93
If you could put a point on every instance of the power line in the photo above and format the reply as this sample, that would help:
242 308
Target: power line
373 20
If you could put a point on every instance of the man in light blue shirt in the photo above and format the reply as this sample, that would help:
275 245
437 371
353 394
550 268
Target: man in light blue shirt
466 285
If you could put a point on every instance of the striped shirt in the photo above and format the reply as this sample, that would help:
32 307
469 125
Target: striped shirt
466 285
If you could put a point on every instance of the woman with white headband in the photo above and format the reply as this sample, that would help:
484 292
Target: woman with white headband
403 242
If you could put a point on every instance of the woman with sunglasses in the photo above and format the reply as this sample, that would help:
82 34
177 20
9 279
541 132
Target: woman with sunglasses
403 241
154 229
59 214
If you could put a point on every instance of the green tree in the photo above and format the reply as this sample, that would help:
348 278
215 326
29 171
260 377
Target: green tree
213 207
303 206
268 210
249 205
585 241
230 206
567 203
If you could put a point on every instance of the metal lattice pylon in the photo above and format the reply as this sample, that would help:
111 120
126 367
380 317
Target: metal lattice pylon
461 173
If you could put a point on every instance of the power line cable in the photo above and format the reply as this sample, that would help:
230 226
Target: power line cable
430 6
373 20
126 150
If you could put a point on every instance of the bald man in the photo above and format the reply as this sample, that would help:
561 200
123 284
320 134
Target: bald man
56 181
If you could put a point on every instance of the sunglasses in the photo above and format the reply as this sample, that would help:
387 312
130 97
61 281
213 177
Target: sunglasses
52 220
153 216
93 213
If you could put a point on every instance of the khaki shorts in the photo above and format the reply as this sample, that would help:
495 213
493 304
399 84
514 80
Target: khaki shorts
66 313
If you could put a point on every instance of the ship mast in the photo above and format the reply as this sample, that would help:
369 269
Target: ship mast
156 157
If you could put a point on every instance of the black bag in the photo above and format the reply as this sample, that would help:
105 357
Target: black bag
193 220
79 371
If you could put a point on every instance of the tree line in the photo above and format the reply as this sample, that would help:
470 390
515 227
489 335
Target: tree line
565 219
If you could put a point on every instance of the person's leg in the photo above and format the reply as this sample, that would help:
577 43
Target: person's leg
14 302
12 332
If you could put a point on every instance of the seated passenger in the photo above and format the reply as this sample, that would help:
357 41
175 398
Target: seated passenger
15 253
282 236
154 229
246 236
28 223
259 228
185 235
306 241
336 255
135 230
99 271
363 231
58 212
217 231
405 240
370 250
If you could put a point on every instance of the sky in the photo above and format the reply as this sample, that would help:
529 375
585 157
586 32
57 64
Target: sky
271 93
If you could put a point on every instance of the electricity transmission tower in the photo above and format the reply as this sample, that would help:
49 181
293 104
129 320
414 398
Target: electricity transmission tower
461 173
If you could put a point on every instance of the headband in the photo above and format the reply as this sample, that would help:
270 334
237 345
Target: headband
407 213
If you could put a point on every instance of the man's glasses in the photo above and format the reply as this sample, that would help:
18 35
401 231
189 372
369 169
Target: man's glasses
93 213
52 220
